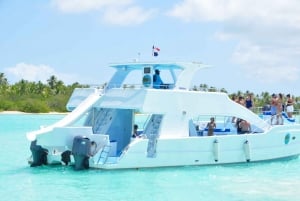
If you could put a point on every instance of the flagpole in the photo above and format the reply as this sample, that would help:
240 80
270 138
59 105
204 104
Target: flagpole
155 51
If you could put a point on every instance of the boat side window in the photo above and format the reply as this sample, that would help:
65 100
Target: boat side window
214 125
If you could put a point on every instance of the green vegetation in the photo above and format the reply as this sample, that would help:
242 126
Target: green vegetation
260 100
36 97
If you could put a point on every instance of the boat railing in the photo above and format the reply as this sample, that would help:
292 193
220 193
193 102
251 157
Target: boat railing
261 110
267 126
133 86
296 114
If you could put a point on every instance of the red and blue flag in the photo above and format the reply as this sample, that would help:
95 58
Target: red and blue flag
155 51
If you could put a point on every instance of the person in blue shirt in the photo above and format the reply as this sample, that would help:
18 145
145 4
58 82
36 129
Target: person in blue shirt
157 81
249 102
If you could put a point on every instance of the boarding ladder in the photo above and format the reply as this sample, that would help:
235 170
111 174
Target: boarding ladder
152 132
104 154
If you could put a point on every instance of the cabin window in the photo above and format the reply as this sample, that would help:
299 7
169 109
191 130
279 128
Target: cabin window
224 125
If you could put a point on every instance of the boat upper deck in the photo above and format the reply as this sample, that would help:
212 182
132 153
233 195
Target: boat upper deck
172 74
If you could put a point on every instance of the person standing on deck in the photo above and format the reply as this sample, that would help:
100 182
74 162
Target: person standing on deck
273 107
279 119
289 106
249 102
211 127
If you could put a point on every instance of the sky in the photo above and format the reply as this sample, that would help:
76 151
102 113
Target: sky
250 45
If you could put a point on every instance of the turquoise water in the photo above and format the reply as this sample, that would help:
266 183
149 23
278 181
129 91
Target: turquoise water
272 181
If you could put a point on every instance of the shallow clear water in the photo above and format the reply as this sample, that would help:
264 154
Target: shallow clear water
268 181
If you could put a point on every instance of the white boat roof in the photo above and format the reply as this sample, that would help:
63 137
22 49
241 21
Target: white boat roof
182 81
155 65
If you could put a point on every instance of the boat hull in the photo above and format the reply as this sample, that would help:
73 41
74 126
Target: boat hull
278 143
204 151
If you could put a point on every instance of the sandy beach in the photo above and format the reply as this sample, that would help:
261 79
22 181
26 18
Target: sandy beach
12 112
18 112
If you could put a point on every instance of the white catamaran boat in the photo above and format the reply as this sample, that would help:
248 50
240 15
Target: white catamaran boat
172 125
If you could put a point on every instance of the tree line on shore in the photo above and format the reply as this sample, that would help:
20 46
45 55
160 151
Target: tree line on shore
38 97
35 97
260 100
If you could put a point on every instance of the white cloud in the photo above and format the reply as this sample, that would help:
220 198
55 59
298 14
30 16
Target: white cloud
266 33
36 73
126 16
116 12
78 6
255 11
267 65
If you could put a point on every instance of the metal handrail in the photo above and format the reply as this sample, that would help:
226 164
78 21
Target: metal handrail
296 113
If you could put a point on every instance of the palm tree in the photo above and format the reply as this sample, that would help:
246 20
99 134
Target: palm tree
203 87
223 90
21 88
52 81
212 89
57 86
239 93
60 87
3 83
3 79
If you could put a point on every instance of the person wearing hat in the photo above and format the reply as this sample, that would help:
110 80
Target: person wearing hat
157 81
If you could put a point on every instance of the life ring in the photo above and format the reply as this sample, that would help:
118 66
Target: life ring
147 80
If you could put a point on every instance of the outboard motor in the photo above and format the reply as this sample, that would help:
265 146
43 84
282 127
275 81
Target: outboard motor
81 152
39 154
